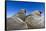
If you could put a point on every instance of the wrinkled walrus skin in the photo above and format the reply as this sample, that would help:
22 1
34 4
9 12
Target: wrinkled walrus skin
15 23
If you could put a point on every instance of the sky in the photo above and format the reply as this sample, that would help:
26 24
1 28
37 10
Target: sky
12 7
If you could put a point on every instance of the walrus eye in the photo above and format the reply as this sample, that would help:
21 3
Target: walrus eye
40 12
